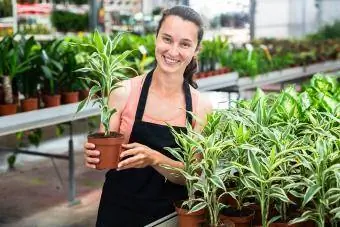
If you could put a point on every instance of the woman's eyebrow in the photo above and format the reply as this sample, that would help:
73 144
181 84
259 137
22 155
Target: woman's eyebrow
169 36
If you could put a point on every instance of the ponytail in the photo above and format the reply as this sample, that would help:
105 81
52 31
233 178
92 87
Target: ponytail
190 70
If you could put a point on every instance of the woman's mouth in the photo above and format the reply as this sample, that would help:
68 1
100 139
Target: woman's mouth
169 60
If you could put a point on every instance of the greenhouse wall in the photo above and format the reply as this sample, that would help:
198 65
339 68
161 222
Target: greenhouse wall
293 18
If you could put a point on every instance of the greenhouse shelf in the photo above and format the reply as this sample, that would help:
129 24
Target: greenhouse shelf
286 75
170 220
218 82
45 117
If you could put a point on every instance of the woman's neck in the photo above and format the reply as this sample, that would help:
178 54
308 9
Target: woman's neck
166 84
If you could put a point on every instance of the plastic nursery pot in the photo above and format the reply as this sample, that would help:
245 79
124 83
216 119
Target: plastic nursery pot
51 100
29 104
109 148
186 219
240 218
70 97
8 109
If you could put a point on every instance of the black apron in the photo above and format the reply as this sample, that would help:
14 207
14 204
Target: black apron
137 197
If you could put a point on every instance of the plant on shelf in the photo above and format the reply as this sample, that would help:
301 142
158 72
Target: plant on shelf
104 73
12 63
28 81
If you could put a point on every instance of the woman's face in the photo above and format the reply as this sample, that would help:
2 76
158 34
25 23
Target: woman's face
176 44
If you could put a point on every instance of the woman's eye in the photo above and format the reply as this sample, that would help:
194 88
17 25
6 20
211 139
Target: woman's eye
166 39
185 45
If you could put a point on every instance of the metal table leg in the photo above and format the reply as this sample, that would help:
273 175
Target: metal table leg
71 177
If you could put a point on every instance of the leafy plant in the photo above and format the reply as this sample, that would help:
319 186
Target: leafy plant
187 152
213 175
12 63
105 74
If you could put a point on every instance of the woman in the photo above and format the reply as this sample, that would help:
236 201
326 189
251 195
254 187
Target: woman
140 191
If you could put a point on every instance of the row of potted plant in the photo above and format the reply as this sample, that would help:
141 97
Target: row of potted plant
263 55
50 67
273 160
43 72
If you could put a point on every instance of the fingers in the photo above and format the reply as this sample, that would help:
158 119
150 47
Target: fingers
131 145
91 156
90 165
89 146
132 162
133 151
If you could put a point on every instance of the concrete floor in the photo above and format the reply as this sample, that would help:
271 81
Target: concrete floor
33 196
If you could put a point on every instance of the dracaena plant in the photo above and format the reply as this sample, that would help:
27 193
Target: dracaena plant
187 152
213 175
264 177
321 170
105 72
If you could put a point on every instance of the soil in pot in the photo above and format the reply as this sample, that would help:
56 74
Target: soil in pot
241 218
109 148
186 219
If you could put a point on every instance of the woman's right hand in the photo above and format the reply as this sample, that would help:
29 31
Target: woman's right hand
91 155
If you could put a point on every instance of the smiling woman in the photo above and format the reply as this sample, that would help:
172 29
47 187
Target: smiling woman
141 191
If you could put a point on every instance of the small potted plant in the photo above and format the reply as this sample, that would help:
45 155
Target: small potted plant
105 74
51 67
212 177
187 152
12 63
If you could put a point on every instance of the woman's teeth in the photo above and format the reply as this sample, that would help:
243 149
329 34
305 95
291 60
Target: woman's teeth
170 60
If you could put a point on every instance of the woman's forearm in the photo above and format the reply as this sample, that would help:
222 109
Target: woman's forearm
170 174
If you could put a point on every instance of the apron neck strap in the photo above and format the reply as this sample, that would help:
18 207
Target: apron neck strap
144 95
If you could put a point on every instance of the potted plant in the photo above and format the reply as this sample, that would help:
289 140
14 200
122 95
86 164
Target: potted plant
187 152
320 172
11 64
28 81
50 68
213 175
105 75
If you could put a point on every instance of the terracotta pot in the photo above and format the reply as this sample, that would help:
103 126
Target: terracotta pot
226 224
29 104
70 97
241 218
257 216
109 148
278 224
51 100
83 94
185 219
8 109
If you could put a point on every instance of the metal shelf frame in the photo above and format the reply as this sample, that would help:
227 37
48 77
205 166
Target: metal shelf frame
46 117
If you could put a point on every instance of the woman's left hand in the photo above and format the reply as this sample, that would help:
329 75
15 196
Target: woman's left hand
141 156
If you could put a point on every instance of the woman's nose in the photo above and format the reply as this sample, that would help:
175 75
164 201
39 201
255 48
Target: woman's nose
173 51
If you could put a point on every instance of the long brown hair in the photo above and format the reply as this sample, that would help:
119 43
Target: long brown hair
186 13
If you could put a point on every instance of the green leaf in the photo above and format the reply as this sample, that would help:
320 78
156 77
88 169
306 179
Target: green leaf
216 180
198 207
254 163
81 105
98 41
311 191
174 153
